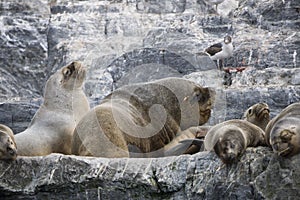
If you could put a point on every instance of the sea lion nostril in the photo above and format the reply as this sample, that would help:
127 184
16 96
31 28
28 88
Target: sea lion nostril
11 151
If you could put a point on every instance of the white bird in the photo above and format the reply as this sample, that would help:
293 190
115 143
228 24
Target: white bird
220 51
215 2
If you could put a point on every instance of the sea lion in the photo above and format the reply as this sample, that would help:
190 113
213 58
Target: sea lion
230 139
283 131
8 147
146 116
187 140
51 128
258 114
197 144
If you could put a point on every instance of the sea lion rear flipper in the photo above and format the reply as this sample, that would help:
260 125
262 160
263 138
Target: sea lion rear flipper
135 152
183 146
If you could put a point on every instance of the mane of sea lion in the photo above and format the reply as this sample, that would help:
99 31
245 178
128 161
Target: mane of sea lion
51 128
8 147
145 116
258 114
283 131
230 139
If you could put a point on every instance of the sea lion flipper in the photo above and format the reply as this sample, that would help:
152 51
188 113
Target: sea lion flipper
183 146
194 141
135 152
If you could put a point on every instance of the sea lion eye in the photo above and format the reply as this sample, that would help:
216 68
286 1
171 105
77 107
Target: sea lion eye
67 72
250 111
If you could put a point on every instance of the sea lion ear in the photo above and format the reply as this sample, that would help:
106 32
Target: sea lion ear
68 70
250 111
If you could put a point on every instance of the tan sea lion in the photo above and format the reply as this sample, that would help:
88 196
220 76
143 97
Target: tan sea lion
258 114
146 116
230 139
51 128
283 131
8 147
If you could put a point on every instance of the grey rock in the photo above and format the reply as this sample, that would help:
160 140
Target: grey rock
258 175
18 114
159 7
124 42
24 47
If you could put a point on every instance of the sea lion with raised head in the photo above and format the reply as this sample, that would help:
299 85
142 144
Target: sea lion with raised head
230 139
8 147
258 114
146 116
283 131
51 128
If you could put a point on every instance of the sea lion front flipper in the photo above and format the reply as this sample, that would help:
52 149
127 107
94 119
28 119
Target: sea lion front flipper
183 146
135 152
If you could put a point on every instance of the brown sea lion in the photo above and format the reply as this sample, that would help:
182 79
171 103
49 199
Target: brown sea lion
230 139
283 131
146 116
258 114
8 147
51 128
198 141
188 141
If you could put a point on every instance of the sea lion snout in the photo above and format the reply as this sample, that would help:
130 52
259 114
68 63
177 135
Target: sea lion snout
12 152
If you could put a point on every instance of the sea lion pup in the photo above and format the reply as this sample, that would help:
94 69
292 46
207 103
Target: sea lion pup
283 131
258 114
230 139
8 147
51 128
146 116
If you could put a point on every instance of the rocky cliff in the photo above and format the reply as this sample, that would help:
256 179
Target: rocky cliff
127 41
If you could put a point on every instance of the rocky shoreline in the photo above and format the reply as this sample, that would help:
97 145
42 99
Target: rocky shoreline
126 41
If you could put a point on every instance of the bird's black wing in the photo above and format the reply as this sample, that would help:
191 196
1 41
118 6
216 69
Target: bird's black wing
213 49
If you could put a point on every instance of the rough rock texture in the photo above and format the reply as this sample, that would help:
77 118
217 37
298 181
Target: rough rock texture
124 42
258 175
129 41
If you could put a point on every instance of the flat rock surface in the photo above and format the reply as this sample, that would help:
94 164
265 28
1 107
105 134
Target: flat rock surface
259 174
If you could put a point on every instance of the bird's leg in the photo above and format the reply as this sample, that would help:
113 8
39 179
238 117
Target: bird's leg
220 64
